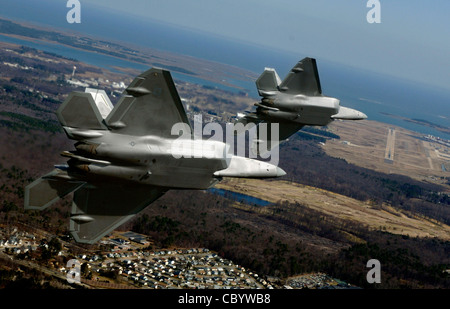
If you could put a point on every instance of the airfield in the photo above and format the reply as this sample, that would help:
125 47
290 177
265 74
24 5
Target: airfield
390 149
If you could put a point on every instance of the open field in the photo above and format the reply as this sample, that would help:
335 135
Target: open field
385 218
369 143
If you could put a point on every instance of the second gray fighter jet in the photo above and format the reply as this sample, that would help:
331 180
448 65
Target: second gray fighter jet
295 102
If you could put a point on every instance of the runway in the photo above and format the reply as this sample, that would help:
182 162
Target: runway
390 147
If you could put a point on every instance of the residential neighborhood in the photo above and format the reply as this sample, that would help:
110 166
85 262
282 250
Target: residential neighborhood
130 263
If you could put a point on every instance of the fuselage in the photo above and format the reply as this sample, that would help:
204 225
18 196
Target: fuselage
307 110
173 163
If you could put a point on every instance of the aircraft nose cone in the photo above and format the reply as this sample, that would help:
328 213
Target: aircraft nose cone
346 113
280 172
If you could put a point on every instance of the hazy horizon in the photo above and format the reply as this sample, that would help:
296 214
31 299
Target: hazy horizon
407 44
356 86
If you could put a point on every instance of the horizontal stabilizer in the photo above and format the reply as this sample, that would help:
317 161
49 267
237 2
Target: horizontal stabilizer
99 209
48 189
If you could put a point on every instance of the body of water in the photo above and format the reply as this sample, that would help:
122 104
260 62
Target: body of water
239 197
374 94
102 60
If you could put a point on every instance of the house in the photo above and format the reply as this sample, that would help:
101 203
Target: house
126 273
120 241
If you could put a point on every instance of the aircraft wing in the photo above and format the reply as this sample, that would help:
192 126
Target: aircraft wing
265 143
303 78
99 209
150 106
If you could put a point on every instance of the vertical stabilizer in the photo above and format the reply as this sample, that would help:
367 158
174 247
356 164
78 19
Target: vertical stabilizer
303 78
80 110
267 83
102 101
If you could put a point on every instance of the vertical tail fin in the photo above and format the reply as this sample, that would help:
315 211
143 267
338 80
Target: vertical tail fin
267 83
80 110
303 78
102 101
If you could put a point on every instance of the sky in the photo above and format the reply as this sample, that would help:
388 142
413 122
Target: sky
412 41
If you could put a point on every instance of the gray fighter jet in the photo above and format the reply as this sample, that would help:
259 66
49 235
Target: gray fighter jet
125 159
293 103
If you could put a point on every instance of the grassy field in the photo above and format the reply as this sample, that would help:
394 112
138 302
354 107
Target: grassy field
383 218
